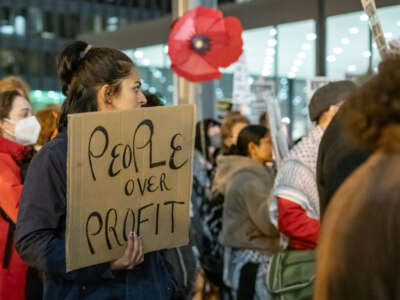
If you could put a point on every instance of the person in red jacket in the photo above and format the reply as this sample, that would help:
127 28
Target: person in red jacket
18 130
295 206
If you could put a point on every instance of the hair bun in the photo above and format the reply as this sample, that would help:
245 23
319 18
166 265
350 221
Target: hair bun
68 62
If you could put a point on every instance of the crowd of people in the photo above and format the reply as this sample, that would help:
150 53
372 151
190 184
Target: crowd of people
322 225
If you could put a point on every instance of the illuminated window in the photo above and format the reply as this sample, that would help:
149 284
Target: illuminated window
347 45
390 18
296 49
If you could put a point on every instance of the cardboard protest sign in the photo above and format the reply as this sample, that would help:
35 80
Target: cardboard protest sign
241 88
128 171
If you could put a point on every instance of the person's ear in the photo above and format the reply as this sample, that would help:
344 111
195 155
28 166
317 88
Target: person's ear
251 147
104 99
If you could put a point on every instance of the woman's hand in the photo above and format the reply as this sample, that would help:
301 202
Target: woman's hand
132 256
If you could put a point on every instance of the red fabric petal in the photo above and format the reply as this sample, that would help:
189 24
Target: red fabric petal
196 69
226 43
179 51
184 28
206 18
225 38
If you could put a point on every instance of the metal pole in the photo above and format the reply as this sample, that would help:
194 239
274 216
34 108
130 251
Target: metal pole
185 92
321 40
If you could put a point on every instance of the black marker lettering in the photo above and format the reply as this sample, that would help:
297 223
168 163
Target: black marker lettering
149 142
91 154
163 185
114 156
111 228
100 222
140 221
172 213
157 214
129 187
129 212
142 188
150 183
175 149
127 153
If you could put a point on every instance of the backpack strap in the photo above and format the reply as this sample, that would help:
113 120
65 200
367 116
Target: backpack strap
10 237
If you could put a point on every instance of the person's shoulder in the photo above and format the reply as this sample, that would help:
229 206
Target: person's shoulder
56 149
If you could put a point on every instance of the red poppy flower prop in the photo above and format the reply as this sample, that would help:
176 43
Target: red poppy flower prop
202 41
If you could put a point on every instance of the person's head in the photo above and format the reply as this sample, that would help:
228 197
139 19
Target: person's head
208 137
375 105
327 100
152 100
97 79
48 119
231 126
15 83
255 142
16 121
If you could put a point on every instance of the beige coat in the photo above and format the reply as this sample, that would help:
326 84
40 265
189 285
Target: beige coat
246 186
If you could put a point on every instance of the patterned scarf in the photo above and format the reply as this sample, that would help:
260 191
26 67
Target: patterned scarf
296 179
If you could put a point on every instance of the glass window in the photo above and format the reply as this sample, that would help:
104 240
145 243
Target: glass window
347 45
35 19
50 66
73 25
7 61
390 19
6 24
260 51
35 62
296 63
112 23
87 24
154 67
296 49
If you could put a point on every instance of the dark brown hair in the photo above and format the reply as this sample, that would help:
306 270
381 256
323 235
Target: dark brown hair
375 105
152 100
82 70
6 102
250 134
358 254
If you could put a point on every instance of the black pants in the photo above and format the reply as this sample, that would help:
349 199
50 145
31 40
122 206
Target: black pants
34 285
247 281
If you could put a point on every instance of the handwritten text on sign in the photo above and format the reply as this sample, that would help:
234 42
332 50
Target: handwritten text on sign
128 171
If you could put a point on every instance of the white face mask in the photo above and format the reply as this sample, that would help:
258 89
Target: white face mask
26 131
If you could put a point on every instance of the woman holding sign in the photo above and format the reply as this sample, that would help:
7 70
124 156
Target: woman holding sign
93 79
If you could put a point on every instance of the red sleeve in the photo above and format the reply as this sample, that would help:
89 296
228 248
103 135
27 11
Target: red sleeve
293 221
10 190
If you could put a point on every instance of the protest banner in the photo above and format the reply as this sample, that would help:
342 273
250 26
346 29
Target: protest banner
128 171
376 26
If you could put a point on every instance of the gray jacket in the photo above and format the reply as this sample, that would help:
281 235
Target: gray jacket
246 186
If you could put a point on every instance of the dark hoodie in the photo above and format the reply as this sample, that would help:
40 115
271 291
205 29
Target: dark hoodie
246 186
339 155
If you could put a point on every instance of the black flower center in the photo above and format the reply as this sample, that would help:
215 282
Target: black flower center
201 44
